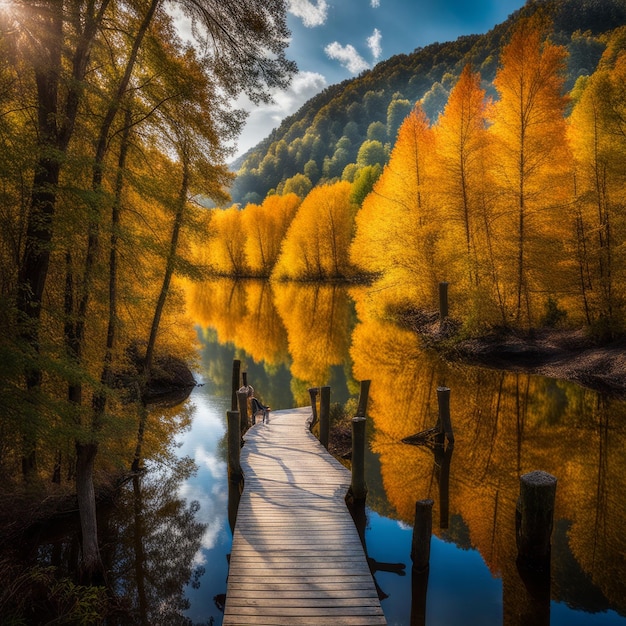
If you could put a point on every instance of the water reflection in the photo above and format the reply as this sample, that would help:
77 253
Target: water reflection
303 328
153 527
294 337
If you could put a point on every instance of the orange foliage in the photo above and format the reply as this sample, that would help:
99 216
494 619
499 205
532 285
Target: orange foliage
396 226
265 227
532 165
317 319
317 242
226 253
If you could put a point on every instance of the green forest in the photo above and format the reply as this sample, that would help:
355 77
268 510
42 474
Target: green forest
328 132
495 163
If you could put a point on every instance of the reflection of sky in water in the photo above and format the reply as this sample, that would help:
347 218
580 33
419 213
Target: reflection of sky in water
209 486
452 570
561 614
461 589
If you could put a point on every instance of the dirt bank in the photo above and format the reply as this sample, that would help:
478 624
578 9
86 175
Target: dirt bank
566 354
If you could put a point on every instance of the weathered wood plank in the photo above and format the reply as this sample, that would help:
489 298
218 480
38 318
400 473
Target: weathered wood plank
296 558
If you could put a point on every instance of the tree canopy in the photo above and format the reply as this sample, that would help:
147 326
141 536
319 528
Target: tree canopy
113 128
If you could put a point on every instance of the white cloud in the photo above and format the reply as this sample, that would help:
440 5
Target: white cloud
375 3
347 56
373 43
263 118
312 14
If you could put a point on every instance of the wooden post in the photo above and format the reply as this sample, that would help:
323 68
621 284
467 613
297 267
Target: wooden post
443 457
244 379
526 594
234 496
363 397
235 384
313 393
242 399
443 302
422 531
444 422
419 591
324 416
234 445
358 488
535 514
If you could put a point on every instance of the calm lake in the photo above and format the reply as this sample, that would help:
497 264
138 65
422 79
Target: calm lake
290 338
167 539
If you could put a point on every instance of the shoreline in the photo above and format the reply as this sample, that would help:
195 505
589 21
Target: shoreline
567 354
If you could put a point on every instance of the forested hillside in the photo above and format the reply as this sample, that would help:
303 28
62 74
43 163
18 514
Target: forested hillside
356 121
494 163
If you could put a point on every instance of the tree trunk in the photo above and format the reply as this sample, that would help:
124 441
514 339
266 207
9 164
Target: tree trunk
140 555
92 571
55 129
158 311
33 269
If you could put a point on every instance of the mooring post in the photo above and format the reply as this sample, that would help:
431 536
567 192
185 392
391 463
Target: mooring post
363 397
444 423
242 399
234 496
443 302
235 384
313 393
419 591
422 531
234 445
358 488
535 515
324 416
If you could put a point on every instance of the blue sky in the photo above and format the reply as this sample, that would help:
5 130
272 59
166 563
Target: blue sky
333 40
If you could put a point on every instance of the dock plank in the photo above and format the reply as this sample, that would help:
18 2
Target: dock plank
296 558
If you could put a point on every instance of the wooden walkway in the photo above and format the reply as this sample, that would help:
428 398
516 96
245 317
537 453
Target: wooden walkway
296 556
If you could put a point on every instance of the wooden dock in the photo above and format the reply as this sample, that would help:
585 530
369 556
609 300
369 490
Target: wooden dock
296 556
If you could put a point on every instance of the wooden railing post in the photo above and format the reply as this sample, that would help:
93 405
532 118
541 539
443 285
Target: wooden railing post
324 416
358 488
235 384
363 398
444 422
234 445
313 393
422 531
242 399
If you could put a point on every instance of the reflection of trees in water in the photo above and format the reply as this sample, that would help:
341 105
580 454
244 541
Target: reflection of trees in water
299 331
244 314
505 424
149 539
318 323
154 537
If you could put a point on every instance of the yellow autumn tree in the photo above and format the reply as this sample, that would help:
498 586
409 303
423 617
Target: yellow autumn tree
265 227
317 242
464 200
227 241
596 132
531 157
396 226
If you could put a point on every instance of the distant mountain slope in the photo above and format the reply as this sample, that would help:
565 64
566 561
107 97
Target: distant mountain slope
354 123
